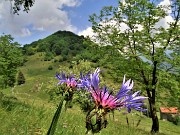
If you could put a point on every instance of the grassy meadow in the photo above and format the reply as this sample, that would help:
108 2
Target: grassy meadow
26 109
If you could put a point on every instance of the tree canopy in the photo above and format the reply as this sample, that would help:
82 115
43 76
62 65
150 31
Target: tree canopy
10 59
131 28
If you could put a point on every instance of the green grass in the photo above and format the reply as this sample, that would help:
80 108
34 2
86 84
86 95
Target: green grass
24 120
26 110
29 118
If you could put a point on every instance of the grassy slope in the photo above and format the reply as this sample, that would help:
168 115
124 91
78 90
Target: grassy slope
36 115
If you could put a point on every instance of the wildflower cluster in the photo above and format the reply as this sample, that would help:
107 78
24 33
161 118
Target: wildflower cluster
104 101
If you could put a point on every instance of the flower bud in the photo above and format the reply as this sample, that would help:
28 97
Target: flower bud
95 121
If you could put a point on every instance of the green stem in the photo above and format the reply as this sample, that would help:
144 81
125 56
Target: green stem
54 122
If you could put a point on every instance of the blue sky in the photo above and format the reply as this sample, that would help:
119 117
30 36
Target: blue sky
80 14
49 16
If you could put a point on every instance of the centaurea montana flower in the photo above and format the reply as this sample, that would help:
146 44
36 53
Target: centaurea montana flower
105 101
70 86
70 80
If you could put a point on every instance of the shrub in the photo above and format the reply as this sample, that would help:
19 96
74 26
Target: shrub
50 67
20 78
177 120
55 60
64 58
48 56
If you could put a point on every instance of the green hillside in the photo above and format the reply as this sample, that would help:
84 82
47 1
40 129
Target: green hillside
32 112
63 43
66 48
29 108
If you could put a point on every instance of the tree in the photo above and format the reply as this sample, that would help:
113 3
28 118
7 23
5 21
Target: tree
17 4
10 59
143 41
20 78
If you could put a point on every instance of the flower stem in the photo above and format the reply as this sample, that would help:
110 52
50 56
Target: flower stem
54 122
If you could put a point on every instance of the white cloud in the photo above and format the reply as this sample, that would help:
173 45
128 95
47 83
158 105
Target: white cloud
45 15
122 27
166 4
87 32
164 22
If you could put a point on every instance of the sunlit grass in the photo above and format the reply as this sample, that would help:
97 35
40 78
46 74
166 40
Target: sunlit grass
31 113
35 119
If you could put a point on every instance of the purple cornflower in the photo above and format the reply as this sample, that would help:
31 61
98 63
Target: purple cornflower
106 100
71 86
70 80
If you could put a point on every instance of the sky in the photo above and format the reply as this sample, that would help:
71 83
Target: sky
49 16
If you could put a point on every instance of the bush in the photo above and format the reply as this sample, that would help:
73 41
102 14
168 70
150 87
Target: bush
30 50
55 60
64 58
48 56
177 120
20 78
50 67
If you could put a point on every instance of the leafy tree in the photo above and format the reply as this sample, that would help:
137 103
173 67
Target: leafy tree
10 59
18 4
30 51
143 43
57 49
20 78
48 56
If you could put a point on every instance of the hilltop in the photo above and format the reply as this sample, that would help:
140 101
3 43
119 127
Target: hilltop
62 43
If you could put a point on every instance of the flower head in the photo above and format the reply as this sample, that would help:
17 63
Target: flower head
106 100
90 80
70 80
71 86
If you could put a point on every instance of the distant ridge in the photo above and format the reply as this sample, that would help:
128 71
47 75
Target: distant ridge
65 44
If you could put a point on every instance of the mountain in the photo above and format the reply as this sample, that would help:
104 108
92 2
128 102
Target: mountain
63 43
67 46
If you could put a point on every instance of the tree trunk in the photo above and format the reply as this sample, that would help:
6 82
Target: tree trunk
155 121
155 124
151 93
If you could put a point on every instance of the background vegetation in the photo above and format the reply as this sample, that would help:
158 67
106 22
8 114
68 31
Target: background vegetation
28 107
150 56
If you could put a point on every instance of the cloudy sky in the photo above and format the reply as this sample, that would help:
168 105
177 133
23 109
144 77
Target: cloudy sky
49 16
